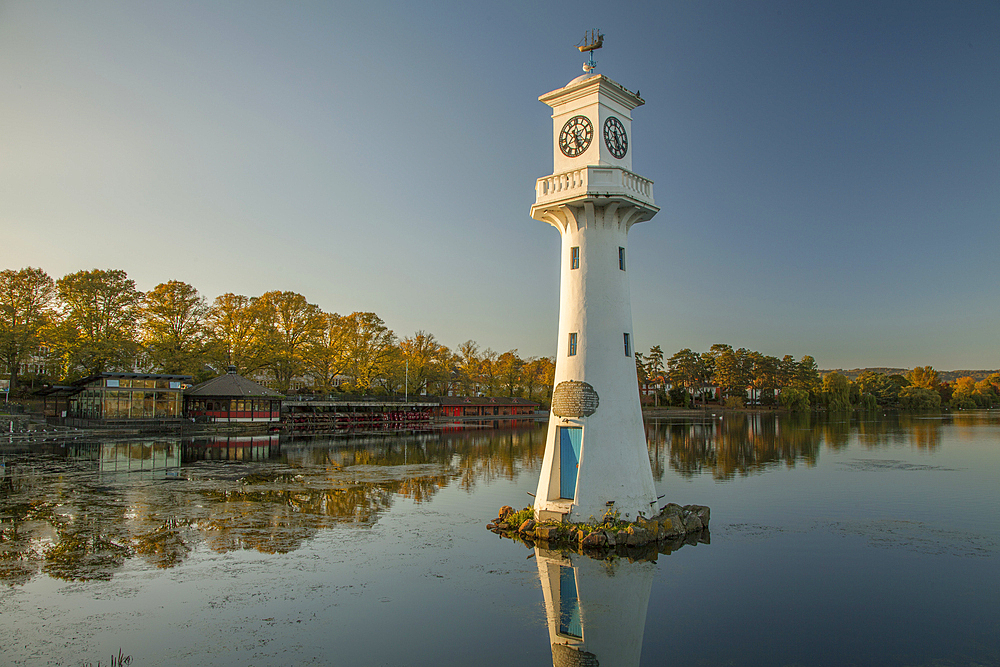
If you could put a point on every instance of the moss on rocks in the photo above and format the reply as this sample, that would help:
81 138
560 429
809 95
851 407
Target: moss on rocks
674 526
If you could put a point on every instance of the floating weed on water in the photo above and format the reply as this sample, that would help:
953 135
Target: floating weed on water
919 537
888 464
119 660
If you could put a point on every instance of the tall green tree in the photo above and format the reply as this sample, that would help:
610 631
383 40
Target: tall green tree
734 371
98 330
685 369
880 386
807 374
26 299
172 328
919 398
653 371
837 392
787 371
764 372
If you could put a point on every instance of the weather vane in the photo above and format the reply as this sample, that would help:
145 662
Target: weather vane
591 42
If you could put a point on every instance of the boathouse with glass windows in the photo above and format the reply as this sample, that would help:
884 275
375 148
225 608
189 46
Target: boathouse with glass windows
232 398
117 396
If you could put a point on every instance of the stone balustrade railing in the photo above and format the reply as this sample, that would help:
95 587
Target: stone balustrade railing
593 180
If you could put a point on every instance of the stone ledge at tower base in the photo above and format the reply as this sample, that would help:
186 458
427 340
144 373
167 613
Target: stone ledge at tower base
672 527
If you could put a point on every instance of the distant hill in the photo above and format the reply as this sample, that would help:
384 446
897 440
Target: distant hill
944 376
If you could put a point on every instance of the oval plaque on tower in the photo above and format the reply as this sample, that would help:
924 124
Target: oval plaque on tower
574 399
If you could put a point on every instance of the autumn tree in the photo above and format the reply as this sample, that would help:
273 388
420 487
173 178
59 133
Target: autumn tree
924 376
427 362
710 364
172 328
509 366
963 395
97 332
237 334
369 344
538 375
967 393
293 325
489 372
26 298
988 391
326 353
468 361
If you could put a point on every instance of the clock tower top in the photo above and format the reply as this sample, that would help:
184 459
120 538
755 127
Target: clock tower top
592 148
591 123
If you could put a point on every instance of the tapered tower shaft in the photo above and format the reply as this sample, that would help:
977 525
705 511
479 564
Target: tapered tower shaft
595 456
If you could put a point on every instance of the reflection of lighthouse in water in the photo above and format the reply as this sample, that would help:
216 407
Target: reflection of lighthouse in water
596 610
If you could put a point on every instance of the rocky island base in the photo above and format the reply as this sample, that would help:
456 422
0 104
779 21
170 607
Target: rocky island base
674 526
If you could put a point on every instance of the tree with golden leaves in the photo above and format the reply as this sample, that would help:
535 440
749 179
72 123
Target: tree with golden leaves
293 325
172 328
98 329
369 344
26 300
237 334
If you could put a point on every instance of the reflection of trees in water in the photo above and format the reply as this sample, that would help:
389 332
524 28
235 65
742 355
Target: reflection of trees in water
925 433
737 444
69 531
476 455
892 429
72 519
742 443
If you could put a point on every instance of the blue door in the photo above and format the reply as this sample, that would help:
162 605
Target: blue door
569 459
570 622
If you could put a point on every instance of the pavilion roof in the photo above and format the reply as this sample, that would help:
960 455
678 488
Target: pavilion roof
232 385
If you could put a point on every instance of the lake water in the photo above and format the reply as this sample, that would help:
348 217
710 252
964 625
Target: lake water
867 540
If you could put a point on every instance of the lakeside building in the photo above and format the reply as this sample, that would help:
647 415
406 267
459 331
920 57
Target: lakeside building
232 398
485 406
116 396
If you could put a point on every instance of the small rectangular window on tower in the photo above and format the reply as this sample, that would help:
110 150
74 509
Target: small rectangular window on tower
628 346
574 257
572 344
621 258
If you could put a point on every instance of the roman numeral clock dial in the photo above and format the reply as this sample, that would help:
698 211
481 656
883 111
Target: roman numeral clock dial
615 137
575 136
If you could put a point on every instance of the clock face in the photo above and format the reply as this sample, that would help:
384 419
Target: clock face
615 138
575 136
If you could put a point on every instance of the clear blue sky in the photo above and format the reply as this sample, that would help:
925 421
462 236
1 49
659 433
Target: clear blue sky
828 173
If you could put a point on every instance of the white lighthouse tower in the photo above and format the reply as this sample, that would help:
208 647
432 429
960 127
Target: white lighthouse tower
595 454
